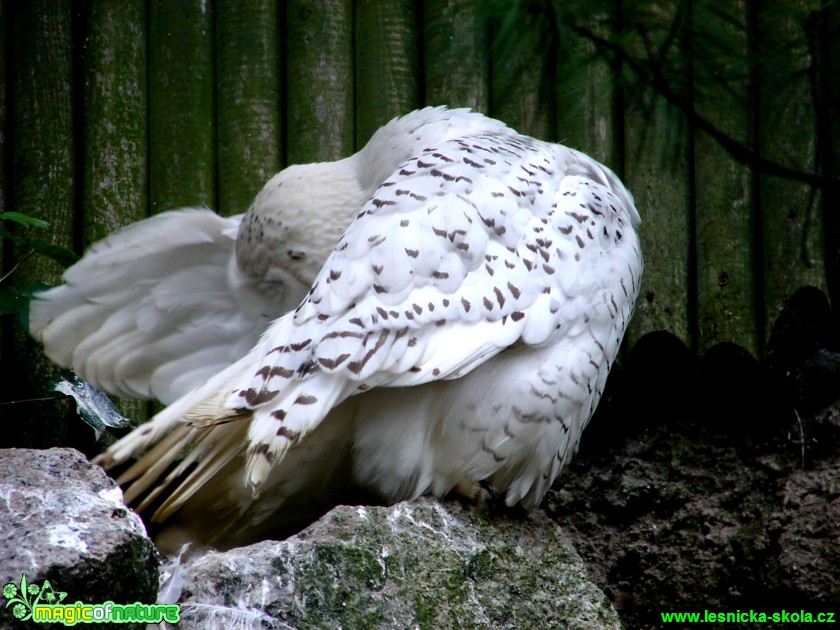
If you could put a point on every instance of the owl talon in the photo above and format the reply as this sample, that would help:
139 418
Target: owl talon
490 490
479 492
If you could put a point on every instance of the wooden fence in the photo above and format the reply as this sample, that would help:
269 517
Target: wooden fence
113 110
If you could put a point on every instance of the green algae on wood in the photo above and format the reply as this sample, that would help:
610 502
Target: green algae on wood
319 80
248 100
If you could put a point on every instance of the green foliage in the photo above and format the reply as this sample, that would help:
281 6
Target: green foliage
15 294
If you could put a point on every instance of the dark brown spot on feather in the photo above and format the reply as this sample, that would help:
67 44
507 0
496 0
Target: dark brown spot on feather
500 297
254 397
331 364
342 334
356 366
289 434
267 372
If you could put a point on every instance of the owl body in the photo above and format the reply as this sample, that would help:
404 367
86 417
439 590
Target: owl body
460 330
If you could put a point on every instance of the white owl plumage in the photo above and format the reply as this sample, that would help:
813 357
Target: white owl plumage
460 331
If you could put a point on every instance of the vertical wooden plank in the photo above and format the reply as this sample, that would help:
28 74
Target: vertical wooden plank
387 63
4 54
115 153
825 27
248 83
791 223
43 176
456 54
726 273
586 100
319 85
523 72
43 123
181 90
657 170
115 122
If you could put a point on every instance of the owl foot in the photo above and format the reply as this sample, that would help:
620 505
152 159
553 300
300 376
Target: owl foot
478 492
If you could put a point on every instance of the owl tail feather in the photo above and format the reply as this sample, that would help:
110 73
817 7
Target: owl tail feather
197 437
170 450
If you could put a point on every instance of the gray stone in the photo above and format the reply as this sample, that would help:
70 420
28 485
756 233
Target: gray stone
809 542
418 564
64 521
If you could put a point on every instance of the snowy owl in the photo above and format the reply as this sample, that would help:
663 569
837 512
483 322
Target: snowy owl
437 311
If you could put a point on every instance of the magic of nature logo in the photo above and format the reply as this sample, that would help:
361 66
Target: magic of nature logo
44 604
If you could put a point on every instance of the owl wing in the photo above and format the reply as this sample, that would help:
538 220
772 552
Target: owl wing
469 248
158 307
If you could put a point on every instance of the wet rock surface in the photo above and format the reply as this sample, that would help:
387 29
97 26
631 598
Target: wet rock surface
420 564
63 520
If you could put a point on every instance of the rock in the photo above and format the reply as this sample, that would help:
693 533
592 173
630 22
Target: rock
64 521
809 541
416 564
695 514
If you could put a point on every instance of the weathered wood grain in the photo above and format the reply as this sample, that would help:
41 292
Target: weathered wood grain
181 105
727 279
387 63
319 80
248 88
456 54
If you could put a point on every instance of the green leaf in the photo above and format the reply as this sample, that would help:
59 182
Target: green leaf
24 219
61 255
